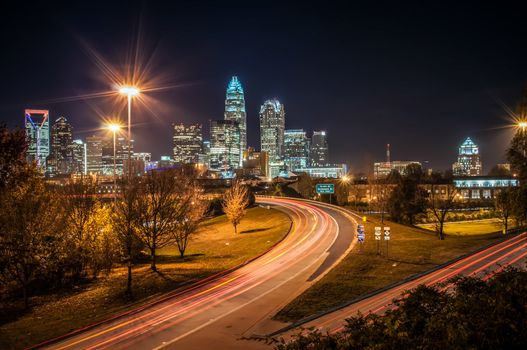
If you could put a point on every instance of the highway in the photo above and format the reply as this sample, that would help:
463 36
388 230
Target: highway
218 312
483 264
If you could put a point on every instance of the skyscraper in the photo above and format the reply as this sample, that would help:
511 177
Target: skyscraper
235 111
296 149
121 155
94 146
224 145
188 143
272 127
319 149
79 157
468 160
61 147
37 133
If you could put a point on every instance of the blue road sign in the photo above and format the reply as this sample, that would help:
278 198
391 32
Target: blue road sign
325 188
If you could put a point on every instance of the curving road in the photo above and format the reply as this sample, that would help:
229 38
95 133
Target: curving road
483 264
217 312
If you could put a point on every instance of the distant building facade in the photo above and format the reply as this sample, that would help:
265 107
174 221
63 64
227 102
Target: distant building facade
187 143
296 149
468 160
383 169
272 128
331 171
37 134
60 160
79 153
224 145
319 154
254 163
235 111
94 145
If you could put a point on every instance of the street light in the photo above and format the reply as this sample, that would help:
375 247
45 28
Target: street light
114 128
129 91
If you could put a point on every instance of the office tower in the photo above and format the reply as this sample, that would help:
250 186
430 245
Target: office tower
37 133
468 160
272 126
296 149
224 145
94 145
319 149
78 150
235 111
61 149
187 143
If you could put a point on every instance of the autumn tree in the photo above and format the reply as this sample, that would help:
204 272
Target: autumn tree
504 203
235 200
13 147
440 204
29 230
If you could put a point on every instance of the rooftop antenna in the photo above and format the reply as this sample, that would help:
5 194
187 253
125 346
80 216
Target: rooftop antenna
388 153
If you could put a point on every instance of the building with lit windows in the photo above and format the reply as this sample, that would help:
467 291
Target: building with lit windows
296 149
482 187
235 111
319 154
383 169
224 145
37 134
187 143
468 160
254 163
78 150
94 145
121 155
272 128
60 160
331 171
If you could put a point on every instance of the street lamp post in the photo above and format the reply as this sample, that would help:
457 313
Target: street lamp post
129 92
523 126
114 128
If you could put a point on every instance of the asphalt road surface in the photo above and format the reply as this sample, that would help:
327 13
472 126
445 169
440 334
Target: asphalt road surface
483 264
217 313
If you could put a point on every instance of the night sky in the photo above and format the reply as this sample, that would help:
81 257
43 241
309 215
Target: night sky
420 77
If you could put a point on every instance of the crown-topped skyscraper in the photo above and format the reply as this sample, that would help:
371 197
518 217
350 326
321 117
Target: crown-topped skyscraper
235 110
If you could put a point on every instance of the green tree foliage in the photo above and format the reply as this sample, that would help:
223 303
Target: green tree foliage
407 199
12 155
517 156
476 315
504 204
30 231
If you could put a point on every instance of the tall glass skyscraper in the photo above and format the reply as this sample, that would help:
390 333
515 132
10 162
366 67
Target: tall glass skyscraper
296 149
37 133
468 160
319 149
235 111
272 127
188 143
224 145
60 160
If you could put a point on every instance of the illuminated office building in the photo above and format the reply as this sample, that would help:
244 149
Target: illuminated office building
224 145
60 160
296 149
78 150
187 143
319 155
235 111
468 160
94 146
37 133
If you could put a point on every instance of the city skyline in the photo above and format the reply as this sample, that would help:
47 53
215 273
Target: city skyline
344 97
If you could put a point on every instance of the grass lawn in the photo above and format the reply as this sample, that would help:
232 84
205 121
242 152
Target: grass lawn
411 250
473 227
215 248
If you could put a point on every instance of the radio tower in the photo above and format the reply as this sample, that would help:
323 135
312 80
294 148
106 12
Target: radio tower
388 153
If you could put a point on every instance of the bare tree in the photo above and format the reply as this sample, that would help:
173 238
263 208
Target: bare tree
124 219
441 204
192 217
504 204
164 200
235 200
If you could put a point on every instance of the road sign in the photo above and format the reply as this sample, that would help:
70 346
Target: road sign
387 233
378 233
325 188
360 238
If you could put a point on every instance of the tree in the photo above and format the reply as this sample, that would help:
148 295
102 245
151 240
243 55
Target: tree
29 230
516 155
504 204
441 204
407 199
235 200
192 217
125 216
163 201
13 147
